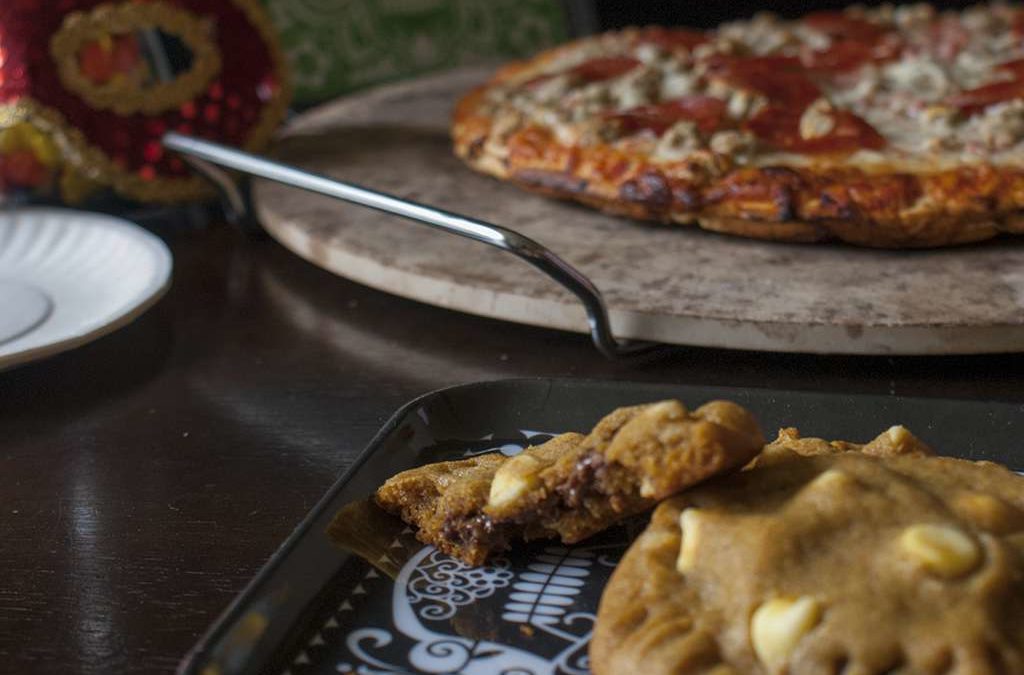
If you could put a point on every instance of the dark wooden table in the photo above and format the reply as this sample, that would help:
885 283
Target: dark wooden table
147 476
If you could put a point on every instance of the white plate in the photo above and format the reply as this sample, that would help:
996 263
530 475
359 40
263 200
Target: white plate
68 277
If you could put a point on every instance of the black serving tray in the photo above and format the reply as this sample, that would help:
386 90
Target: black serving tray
357 593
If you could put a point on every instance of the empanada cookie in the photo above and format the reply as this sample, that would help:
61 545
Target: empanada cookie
826 558
573 486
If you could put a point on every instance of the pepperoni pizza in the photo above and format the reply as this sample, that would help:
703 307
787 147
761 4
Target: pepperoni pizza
887 127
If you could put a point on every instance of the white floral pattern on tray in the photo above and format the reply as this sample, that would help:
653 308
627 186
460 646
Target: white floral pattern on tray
529 613
551 601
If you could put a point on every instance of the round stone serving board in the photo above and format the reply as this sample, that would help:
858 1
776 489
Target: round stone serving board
68 277
668 284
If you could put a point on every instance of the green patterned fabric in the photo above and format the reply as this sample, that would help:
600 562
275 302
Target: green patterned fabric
335 46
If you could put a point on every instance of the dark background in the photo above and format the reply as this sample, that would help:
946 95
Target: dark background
616 13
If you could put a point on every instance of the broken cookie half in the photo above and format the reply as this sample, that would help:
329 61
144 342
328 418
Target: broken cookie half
573 486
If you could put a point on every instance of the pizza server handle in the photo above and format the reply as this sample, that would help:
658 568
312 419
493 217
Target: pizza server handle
203 155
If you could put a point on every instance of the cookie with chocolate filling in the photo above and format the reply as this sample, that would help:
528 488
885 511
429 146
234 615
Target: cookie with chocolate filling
573 486
826 558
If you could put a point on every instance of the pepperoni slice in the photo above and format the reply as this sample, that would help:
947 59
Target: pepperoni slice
843 56
855 42
671 38
1015 67
779 128
842 26
770 62
706 112
975 100
1017 23
782 79
604 68
594 70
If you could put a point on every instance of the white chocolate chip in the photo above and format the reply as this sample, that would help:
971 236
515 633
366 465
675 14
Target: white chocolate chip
513 479
668 410
778 625
942 550
817 120
647 487
831 480
898 434
656 541
690 527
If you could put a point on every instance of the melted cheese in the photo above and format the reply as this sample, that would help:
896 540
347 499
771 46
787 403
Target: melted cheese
901 99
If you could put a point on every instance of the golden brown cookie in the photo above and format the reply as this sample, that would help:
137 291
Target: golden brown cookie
896 441
573 486
826 560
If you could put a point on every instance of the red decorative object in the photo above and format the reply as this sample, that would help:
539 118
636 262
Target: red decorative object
87 87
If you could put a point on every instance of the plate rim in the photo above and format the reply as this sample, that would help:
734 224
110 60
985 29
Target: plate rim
156 287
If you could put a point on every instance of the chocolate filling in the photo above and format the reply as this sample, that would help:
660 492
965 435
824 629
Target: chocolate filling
591 478
478 530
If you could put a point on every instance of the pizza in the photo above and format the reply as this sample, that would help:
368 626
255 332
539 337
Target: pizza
890 127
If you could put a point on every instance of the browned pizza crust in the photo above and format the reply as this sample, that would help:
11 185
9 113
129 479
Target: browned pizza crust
882 209
819 199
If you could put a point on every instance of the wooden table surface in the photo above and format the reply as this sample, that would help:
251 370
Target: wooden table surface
147 477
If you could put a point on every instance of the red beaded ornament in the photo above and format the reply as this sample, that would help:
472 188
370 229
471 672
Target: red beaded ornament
87 87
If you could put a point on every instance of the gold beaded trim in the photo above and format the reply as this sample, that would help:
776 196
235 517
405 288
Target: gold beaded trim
94 163
126 95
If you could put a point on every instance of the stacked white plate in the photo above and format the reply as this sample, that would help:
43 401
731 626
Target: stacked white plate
68 277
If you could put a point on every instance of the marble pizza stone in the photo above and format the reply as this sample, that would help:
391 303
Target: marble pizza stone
670 284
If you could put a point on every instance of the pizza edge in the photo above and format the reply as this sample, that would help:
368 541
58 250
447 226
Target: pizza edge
881 207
